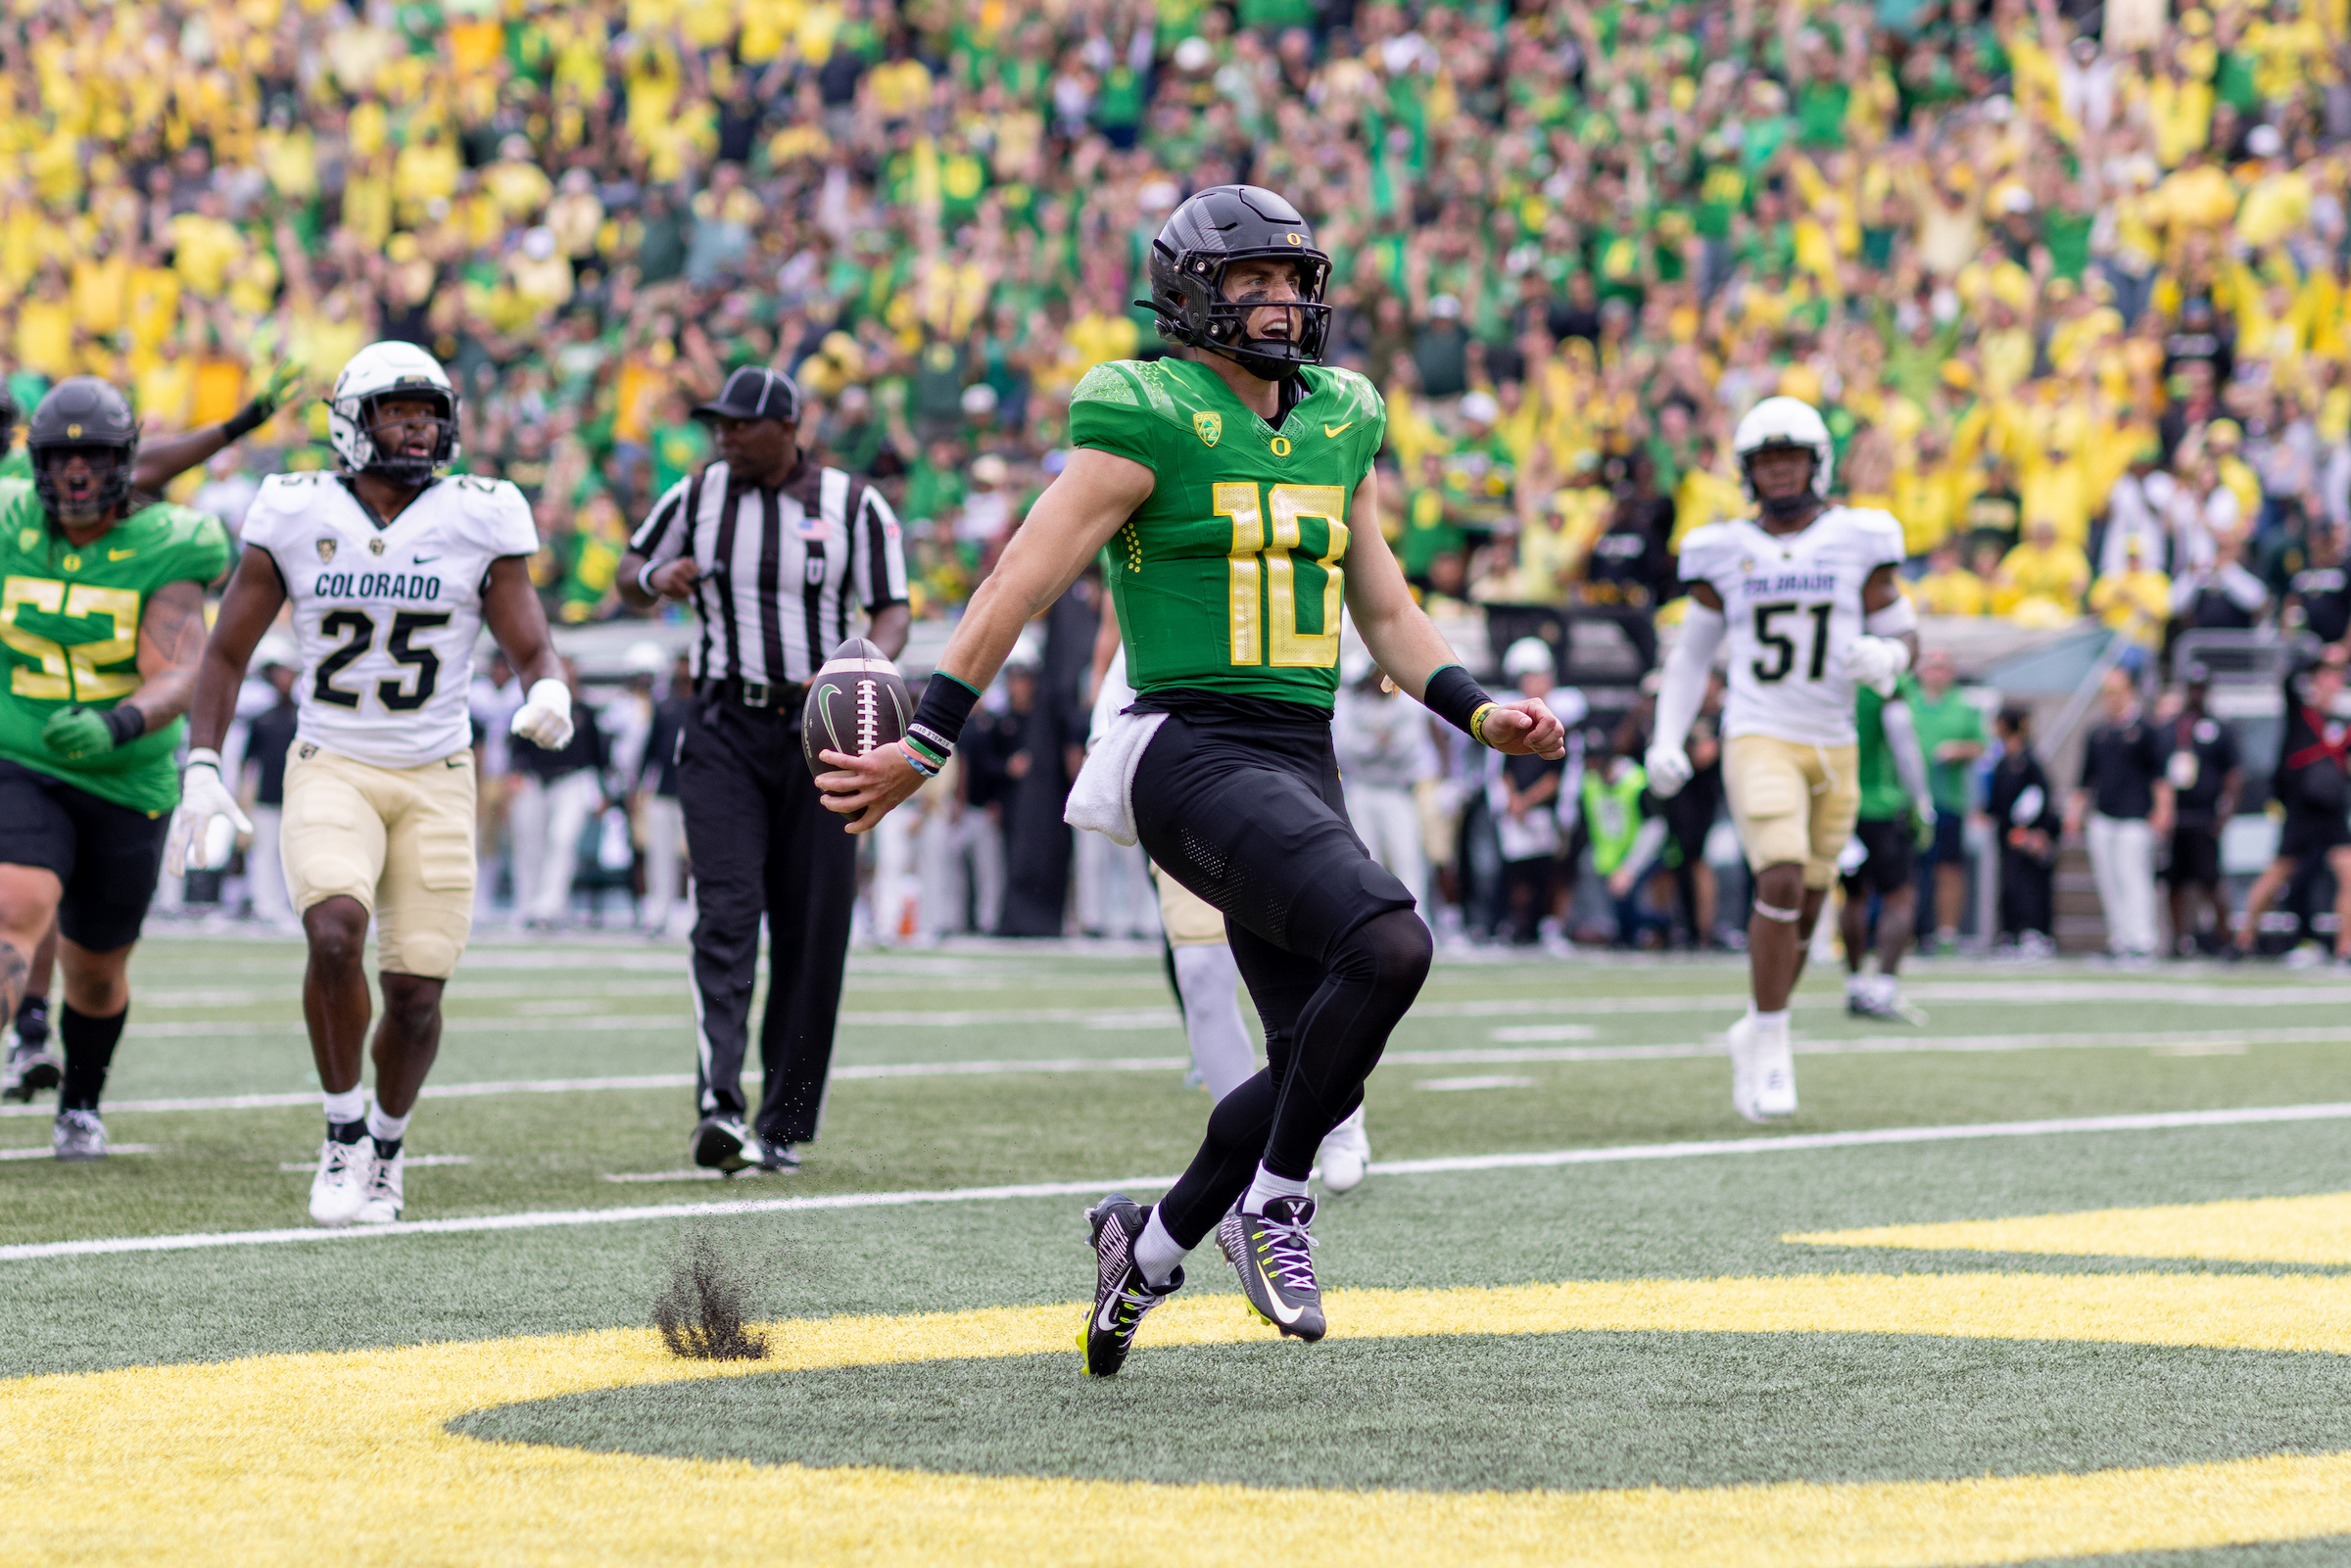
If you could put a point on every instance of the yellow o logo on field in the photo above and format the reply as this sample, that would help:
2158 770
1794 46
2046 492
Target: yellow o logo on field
272 1458
1280 446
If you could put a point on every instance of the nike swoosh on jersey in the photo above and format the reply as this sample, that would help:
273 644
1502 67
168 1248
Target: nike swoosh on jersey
1281 1315
122 555
422 561
1334 432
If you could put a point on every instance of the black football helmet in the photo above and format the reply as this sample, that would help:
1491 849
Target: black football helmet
1213 229
83 414
7 419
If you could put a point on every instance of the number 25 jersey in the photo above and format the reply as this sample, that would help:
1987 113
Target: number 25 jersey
1231 576
386 618
1793 604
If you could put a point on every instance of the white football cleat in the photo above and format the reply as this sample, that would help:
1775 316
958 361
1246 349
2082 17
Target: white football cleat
340 1186
1345 1153
1742 1038
382 1203
1771 1080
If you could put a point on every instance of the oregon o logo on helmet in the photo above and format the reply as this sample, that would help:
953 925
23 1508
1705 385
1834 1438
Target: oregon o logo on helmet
1294 239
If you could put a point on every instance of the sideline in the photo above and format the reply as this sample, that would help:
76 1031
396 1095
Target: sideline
1796 1143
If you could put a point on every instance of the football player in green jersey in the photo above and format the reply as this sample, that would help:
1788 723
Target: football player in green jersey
101 623
1232 484
1896 811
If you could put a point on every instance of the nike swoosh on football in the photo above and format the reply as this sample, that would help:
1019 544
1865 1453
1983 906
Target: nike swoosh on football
1292 1314
1334 432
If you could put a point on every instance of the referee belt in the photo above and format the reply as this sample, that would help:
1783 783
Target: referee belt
779 696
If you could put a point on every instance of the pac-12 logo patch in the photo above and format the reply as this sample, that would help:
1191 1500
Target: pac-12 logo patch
1208 427
326 550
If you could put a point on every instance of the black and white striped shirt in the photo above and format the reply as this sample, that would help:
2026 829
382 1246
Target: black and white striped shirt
780 568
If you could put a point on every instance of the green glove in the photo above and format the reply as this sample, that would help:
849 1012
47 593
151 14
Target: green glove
78 734
279 385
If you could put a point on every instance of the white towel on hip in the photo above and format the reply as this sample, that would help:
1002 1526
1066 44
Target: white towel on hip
1103 797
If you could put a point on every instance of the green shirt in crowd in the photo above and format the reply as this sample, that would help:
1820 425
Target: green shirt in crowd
1230 576
1939 722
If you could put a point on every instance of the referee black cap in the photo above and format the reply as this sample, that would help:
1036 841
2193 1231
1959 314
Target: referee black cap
753 393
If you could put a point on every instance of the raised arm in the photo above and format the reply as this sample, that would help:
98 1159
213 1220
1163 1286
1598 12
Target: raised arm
164 458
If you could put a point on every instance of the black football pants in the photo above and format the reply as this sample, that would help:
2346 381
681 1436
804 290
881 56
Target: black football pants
763 844
1250 817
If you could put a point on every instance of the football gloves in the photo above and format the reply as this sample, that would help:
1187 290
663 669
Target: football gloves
1876 662
545 717
1669 769
204 800
77 735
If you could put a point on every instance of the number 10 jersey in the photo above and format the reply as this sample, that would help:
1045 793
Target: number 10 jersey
386 618
1793 602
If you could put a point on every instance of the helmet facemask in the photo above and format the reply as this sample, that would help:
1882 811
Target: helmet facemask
103 489
400 466
1204 317
1788 508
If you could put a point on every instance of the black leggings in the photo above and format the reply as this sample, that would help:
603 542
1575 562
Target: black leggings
1249 816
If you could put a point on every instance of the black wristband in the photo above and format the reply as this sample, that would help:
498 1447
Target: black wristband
1454 696
946 703
125 722
248 419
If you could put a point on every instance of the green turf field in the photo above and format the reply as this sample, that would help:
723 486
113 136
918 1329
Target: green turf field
1572 1319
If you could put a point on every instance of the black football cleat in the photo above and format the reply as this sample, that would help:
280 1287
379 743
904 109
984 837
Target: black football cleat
31 1068
1272 1254
776 1157
1122 1296
724 1143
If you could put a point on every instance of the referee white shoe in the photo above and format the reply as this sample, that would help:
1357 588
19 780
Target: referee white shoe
1345 1154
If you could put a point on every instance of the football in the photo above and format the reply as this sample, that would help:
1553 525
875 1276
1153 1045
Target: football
857 702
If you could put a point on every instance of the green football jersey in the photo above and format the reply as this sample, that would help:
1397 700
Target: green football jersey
1883 798
1230 576
17 465
69 634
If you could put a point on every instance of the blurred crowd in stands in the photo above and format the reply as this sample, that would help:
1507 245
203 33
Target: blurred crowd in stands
2071 283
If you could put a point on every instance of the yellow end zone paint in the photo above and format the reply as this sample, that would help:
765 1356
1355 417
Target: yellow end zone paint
2255 1230
342 1458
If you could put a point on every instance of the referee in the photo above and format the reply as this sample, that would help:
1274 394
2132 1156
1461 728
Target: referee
774 551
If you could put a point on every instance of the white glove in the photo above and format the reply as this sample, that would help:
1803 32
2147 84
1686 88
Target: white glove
545 717
1875 662
1669 769
199 841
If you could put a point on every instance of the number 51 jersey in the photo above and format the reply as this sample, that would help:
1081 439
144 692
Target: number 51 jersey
1793 602
386 618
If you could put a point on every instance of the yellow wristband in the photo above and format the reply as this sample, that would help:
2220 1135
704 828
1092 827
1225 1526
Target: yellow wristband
1477 723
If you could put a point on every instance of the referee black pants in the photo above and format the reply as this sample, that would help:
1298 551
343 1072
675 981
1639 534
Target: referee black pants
763 844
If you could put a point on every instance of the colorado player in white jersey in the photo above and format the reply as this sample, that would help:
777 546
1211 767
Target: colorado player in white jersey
391 573
1808 594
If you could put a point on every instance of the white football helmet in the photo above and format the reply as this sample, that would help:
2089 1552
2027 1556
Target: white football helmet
1785 422
381 370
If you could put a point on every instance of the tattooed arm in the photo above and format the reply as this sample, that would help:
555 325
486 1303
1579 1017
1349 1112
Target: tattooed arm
170 641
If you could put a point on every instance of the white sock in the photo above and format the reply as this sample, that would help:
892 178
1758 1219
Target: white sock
1155 1253
1770 1023
383 1128
347 1107
1267 1187
1855 985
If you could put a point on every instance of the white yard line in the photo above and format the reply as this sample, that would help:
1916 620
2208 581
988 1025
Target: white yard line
1796 1143
2188 1042
44 1153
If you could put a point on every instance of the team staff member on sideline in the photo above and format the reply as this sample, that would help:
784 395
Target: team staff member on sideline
92 686
774 551
2121 807
2207 778
2313 784
388 573
1235 491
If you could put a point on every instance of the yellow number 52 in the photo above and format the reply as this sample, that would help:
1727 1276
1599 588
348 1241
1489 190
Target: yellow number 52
1257 559
70 673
